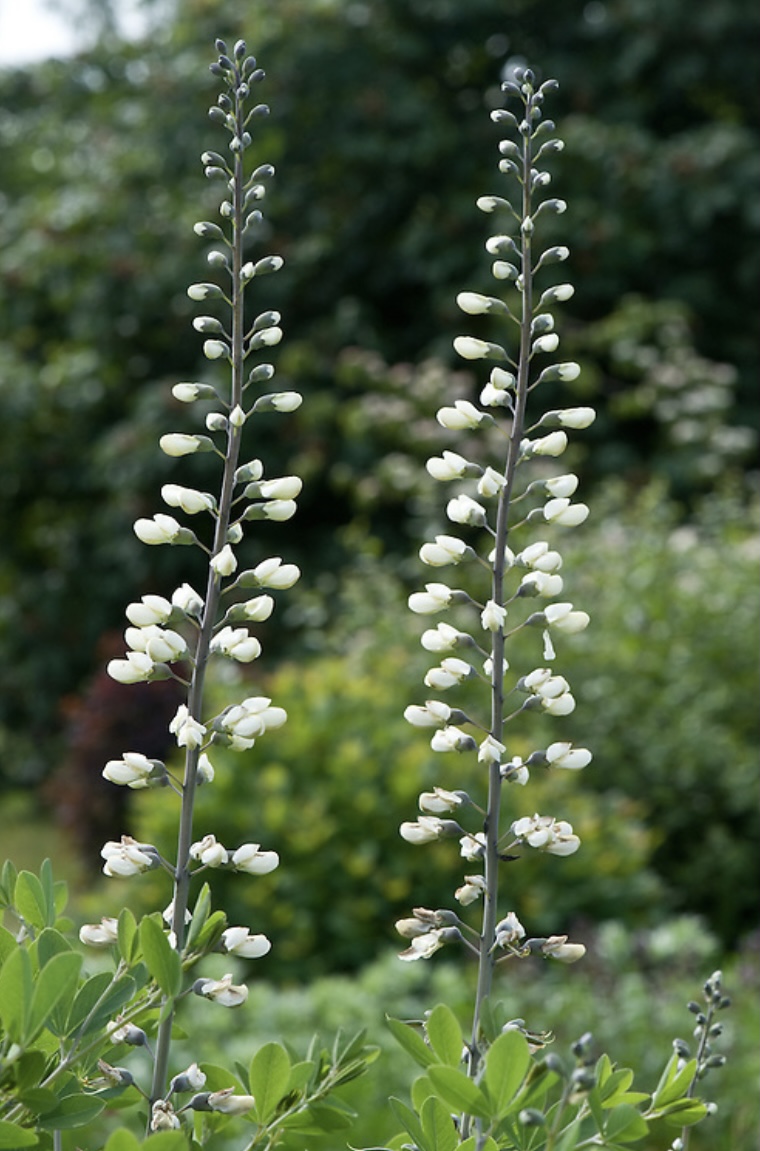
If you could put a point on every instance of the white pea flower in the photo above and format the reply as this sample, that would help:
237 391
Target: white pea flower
286 401
436 597
439 801
179 444
189 731
476 305
275 574
284 488
159 530
509 931
187 600
490 483
209 852
509 557
132 770
562 617
411 928
443 637
465 510
565 755
452 671
562 485
103 934
163 1117
471 890
502 379
488 666
574 417
259 608
491 397
222 991
426 829
228 1103
561 511
251 859
192 1079
547 343
471 349
490 750
239 941
127 857
161 643
452 739
138 667
554 836
423 946
552 444
557 947
472 847
515 771
224 562
493 616
215 349
445 550
188 499
463 415
237 417
539 557
449 466
542 583
433 714
152 609
559 705
236 643
205 771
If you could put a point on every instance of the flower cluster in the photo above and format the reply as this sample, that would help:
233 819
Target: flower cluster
495 504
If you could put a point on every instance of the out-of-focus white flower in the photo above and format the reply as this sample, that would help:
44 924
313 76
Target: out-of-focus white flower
152 609
561 511
445 550
509 931
161 529
472 889
224 562
465 510
239 941
562 617
452 739
250 858
449 466
493 616
132 770
436 597
433 714
463 415
205 769
103 934
127 857
209 852
189 731
545 833
223 991
451 672
557 947
566 756
471 847
439 801
247 720
236 643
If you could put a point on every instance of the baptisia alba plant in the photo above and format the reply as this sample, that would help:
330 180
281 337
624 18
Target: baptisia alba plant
496 1087
67 1040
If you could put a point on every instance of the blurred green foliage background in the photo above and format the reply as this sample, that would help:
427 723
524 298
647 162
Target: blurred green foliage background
382 141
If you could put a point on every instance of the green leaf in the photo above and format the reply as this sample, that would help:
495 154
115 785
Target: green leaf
87 996
126 935
507 1064
122 1140
409 1120
334 1115
31 903
8 878
269 1078
29 1069
445 1035
219 1078
300 1074
211 932
7 943
12 1136
163 961
56 983
673 1083
72 1111
421 1090
568 1140
459 1092
15 992
50 943
412 1042
625 1124
471 1144
438 1125
684 1113
200 915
